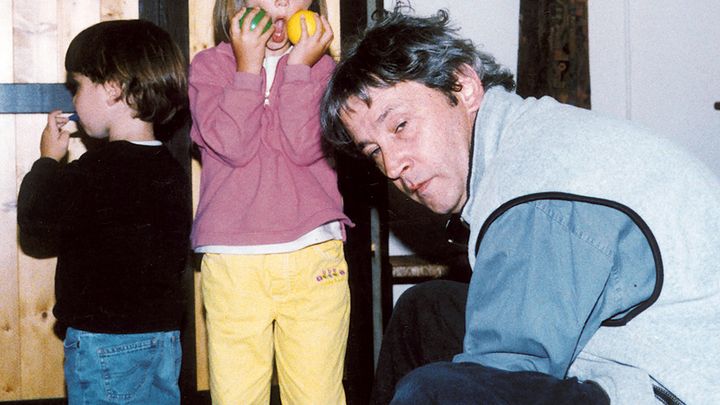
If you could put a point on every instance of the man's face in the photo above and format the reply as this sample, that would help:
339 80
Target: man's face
418 139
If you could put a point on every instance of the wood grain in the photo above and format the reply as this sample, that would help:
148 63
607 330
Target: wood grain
41 351
33 39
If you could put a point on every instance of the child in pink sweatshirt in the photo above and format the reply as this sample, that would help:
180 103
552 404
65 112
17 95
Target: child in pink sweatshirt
270 222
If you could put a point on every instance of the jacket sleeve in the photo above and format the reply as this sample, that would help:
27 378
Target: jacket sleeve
547 274
227 109
299 110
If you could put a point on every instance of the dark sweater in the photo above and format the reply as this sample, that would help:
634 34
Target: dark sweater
118 219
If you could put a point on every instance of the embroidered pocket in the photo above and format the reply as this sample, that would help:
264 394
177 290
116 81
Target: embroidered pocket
126 368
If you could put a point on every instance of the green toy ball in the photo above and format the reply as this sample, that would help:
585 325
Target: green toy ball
255 21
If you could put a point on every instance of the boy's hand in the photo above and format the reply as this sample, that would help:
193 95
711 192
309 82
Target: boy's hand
249 46
54 140
311 48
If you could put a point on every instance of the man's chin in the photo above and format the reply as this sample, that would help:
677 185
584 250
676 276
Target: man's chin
434 206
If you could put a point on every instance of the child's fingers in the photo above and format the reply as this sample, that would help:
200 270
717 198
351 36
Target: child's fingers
327 31
248 23
303 28
64 137
265 34
235 25
70 125
53 118
61 120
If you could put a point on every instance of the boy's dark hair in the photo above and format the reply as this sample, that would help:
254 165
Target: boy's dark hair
141 58
400 47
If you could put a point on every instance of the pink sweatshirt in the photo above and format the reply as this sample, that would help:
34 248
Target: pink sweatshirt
265 178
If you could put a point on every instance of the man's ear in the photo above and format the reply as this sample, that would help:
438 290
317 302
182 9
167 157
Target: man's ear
471 91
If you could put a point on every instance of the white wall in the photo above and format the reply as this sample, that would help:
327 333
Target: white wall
657 62
491 24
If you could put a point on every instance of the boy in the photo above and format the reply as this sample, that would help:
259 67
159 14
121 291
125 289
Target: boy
118 218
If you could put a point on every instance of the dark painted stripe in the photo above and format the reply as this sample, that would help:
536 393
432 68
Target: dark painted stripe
32 98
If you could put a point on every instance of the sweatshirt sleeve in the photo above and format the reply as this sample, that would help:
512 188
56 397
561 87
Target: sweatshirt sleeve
547 274
45 198
226 107
299 110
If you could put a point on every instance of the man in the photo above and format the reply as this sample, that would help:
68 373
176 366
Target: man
593 242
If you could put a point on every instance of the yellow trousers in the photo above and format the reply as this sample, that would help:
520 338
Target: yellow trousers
293 306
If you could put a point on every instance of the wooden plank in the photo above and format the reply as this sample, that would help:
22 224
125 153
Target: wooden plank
35 42
10 380
119 9
36 48
553 56
333 13
200 37
6 42
10 376
73 17
200 26
417 267
41 350
203 376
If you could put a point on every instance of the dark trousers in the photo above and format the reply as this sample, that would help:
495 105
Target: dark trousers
427 326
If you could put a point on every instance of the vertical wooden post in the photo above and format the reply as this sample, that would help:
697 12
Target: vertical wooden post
173 16
553 56
35 46
364 190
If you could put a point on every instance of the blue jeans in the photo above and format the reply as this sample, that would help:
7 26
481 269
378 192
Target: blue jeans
140 368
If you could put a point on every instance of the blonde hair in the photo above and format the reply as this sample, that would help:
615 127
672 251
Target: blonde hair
224 10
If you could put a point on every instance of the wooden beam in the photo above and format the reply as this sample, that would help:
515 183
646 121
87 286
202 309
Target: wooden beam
553 58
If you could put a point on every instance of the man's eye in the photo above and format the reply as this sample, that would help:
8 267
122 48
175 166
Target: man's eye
373 153
400 126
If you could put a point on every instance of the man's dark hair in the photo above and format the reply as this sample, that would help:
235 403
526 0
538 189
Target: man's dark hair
141 58
397 48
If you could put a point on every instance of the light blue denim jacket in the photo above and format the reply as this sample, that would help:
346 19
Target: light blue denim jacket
547 273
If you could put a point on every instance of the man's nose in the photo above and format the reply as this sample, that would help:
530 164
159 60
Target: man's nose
395 164
281 3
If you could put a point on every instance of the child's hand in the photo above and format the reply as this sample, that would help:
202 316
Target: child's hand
54 140
311 48
249 45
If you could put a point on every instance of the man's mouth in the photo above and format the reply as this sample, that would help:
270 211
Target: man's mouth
418 188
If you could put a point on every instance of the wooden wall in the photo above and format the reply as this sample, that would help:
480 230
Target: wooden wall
33 38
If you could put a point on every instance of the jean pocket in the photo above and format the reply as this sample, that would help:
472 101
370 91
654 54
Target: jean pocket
70 345
127 368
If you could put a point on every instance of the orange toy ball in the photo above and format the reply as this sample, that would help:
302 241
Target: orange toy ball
294 26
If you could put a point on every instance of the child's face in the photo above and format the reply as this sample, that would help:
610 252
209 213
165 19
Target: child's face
91 104
279 11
